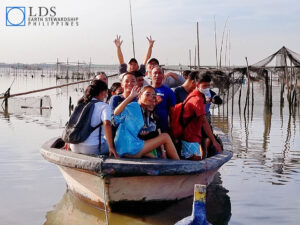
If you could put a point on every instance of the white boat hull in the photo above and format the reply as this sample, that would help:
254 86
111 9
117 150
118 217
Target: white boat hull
98 191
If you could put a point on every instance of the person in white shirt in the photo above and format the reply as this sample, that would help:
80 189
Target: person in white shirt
96 144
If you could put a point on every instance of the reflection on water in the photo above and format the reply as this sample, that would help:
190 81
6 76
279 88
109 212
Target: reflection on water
268 137
71 210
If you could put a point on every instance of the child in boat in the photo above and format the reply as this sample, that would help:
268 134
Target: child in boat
130 120
115 89
97 90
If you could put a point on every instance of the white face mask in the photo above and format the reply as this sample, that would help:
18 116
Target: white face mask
205 91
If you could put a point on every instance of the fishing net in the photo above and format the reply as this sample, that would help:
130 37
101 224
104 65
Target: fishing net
281 57
225 83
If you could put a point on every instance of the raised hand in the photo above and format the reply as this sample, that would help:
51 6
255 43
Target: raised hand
151 42
135 91
118 41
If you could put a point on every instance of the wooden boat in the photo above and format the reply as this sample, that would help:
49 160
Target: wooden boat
111 182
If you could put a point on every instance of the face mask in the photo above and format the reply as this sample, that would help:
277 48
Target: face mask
205 91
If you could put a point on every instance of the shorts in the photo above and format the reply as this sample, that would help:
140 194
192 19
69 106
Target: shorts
191 149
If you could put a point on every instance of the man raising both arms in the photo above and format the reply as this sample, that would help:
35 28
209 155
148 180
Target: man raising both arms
132 63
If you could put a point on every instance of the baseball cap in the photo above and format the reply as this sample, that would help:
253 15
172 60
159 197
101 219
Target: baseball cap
153 60
133 60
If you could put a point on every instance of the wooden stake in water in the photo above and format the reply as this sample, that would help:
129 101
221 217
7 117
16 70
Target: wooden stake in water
67 68
199 211
248 89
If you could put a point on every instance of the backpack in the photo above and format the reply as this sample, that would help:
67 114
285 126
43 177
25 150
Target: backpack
177 126
79 128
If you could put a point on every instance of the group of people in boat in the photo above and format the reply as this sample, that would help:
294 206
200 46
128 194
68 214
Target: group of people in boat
136 112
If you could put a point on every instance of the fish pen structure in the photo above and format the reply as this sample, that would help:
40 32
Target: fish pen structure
283 65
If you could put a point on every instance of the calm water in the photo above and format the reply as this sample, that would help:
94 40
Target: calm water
260 185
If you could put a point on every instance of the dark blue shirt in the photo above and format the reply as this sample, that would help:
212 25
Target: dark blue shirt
116 100
180 94
123 68
165 100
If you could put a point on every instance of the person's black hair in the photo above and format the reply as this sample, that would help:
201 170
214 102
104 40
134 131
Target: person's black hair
93 90
112 89
194 75
133 60
206 77
186 73
126 73
138 74
115 86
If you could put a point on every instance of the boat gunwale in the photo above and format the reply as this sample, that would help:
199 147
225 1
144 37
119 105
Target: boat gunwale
112 167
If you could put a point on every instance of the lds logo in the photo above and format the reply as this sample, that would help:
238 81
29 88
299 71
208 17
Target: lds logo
15 16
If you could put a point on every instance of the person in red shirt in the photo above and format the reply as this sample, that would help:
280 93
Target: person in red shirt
194 146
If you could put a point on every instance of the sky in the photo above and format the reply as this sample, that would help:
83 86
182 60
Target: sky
257 29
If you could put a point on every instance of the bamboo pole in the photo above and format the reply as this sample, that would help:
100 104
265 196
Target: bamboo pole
270 96
57 68
226 48
229 50
195 57
45 89
220 64
248 89
67 68
132 36
198 45
190 58
232 97
216 46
